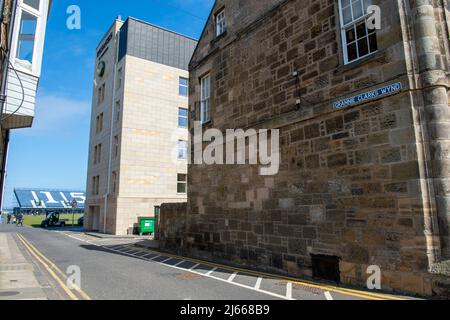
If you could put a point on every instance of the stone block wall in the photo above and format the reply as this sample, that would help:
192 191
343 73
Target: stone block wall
172 227
355 183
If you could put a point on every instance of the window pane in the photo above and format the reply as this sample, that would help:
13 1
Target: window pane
350 35
352 52
25 50
347 14
183 122
183 82
182 178
181 188
361 30
183 85
183 91
32 3
182 150
26 37
363 48
182 118
182 112
357 9
373 43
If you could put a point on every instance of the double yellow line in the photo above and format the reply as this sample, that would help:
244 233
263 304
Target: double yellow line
54 271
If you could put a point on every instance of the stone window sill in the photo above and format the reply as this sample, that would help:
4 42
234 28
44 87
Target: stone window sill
377 56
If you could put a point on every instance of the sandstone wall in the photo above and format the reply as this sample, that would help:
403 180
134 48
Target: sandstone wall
354 183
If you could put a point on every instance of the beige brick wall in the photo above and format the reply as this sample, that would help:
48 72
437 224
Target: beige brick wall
148 164
148 134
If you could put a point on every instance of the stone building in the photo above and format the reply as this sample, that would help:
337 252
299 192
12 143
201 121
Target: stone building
139 137
364 124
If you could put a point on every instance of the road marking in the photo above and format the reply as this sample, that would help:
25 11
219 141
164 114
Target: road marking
345 291
194 266
231 278
328 295
83 294
166 260
289 290
50 271
306 283
258 283
210 272
152 259
179 263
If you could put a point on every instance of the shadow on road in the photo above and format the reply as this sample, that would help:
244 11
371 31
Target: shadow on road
130 253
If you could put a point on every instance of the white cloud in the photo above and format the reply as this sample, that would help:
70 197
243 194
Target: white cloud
58 115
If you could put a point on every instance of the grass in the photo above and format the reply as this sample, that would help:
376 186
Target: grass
35 221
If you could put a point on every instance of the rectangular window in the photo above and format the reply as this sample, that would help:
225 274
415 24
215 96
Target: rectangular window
184 87
114 182
221 24
117 111
27 35
101 94
97 189
96 185
119 79
182 118
116 146
97 154
358 41
182 150
205 99
99 124
182 183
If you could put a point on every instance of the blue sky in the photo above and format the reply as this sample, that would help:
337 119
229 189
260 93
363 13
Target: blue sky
54 152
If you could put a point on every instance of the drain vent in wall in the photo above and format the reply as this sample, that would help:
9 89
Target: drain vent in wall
326 268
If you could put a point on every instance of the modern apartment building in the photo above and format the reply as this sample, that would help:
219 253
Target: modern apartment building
360 95
22 34
139 136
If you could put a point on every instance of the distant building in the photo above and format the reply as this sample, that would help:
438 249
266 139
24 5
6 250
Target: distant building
31 201
138 139
22 35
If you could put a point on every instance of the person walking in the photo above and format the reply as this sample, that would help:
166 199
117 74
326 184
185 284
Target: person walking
8 218
19 220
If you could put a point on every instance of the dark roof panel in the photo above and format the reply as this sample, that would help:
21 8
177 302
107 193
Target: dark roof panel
159 45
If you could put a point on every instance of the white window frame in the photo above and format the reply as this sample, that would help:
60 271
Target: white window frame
33 68
345 26
182 150
221 23
183 86
205 99
183 117
179 182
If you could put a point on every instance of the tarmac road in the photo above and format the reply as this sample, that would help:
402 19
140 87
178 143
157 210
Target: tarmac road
114 269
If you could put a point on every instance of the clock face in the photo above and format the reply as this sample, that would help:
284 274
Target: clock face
101 67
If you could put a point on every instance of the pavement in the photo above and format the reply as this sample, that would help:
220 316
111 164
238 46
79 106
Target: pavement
114 268
17 274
